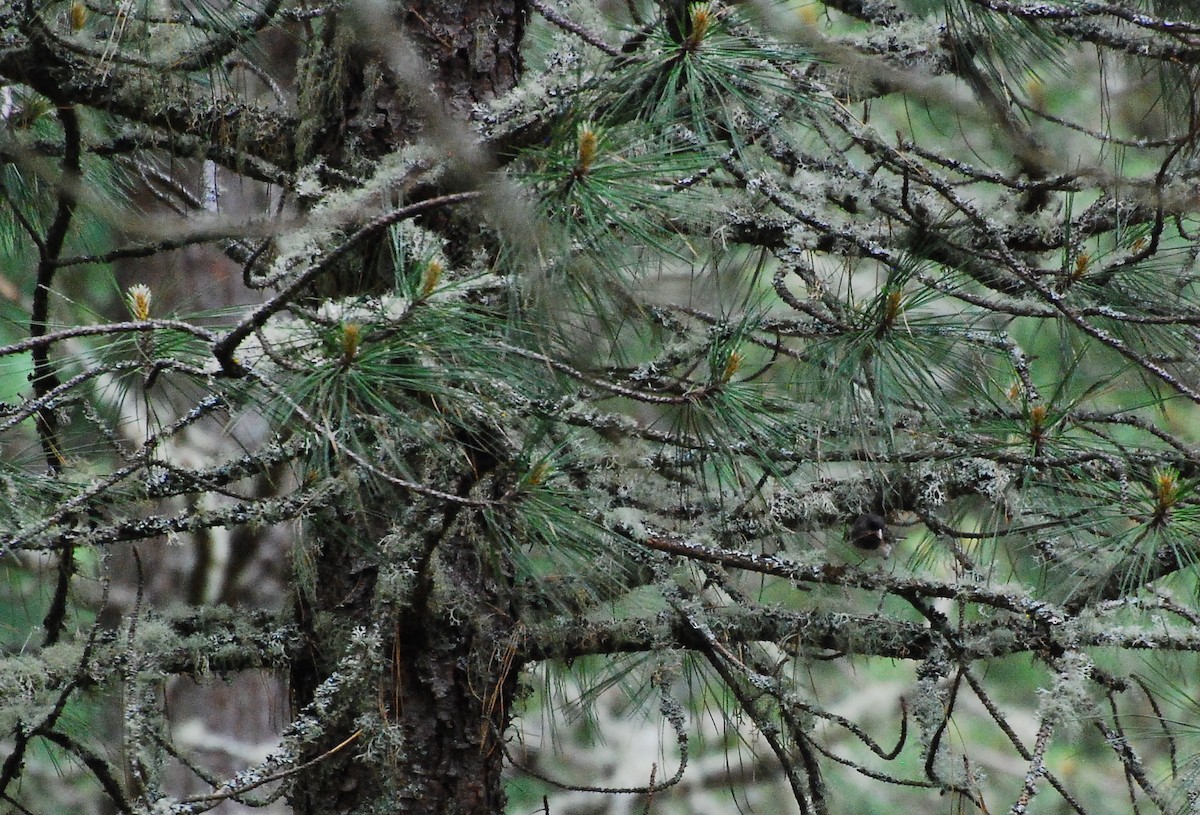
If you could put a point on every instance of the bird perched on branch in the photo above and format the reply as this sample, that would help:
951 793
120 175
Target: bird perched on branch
869 533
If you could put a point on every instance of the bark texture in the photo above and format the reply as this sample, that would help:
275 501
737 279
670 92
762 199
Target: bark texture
444 700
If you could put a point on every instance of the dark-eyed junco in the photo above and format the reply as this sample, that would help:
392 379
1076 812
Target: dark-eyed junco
869 533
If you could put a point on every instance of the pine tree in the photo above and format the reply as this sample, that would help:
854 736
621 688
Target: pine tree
816 380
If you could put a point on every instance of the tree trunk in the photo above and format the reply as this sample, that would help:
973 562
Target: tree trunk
442 695
426 733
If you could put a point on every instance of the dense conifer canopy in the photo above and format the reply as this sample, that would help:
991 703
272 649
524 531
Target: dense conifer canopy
811 385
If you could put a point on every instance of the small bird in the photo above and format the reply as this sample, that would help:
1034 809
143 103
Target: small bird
869 533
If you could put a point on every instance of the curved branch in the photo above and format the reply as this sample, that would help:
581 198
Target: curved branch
224 348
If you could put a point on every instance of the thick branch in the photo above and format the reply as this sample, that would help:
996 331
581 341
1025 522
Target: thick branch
163 100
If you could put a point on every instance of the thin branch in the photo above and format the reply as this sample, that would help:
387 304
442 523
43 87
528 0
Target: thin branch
225 348
566 24
45 378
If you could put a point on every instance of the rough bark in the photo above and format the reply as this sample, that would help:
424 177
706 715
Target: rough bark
446 695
